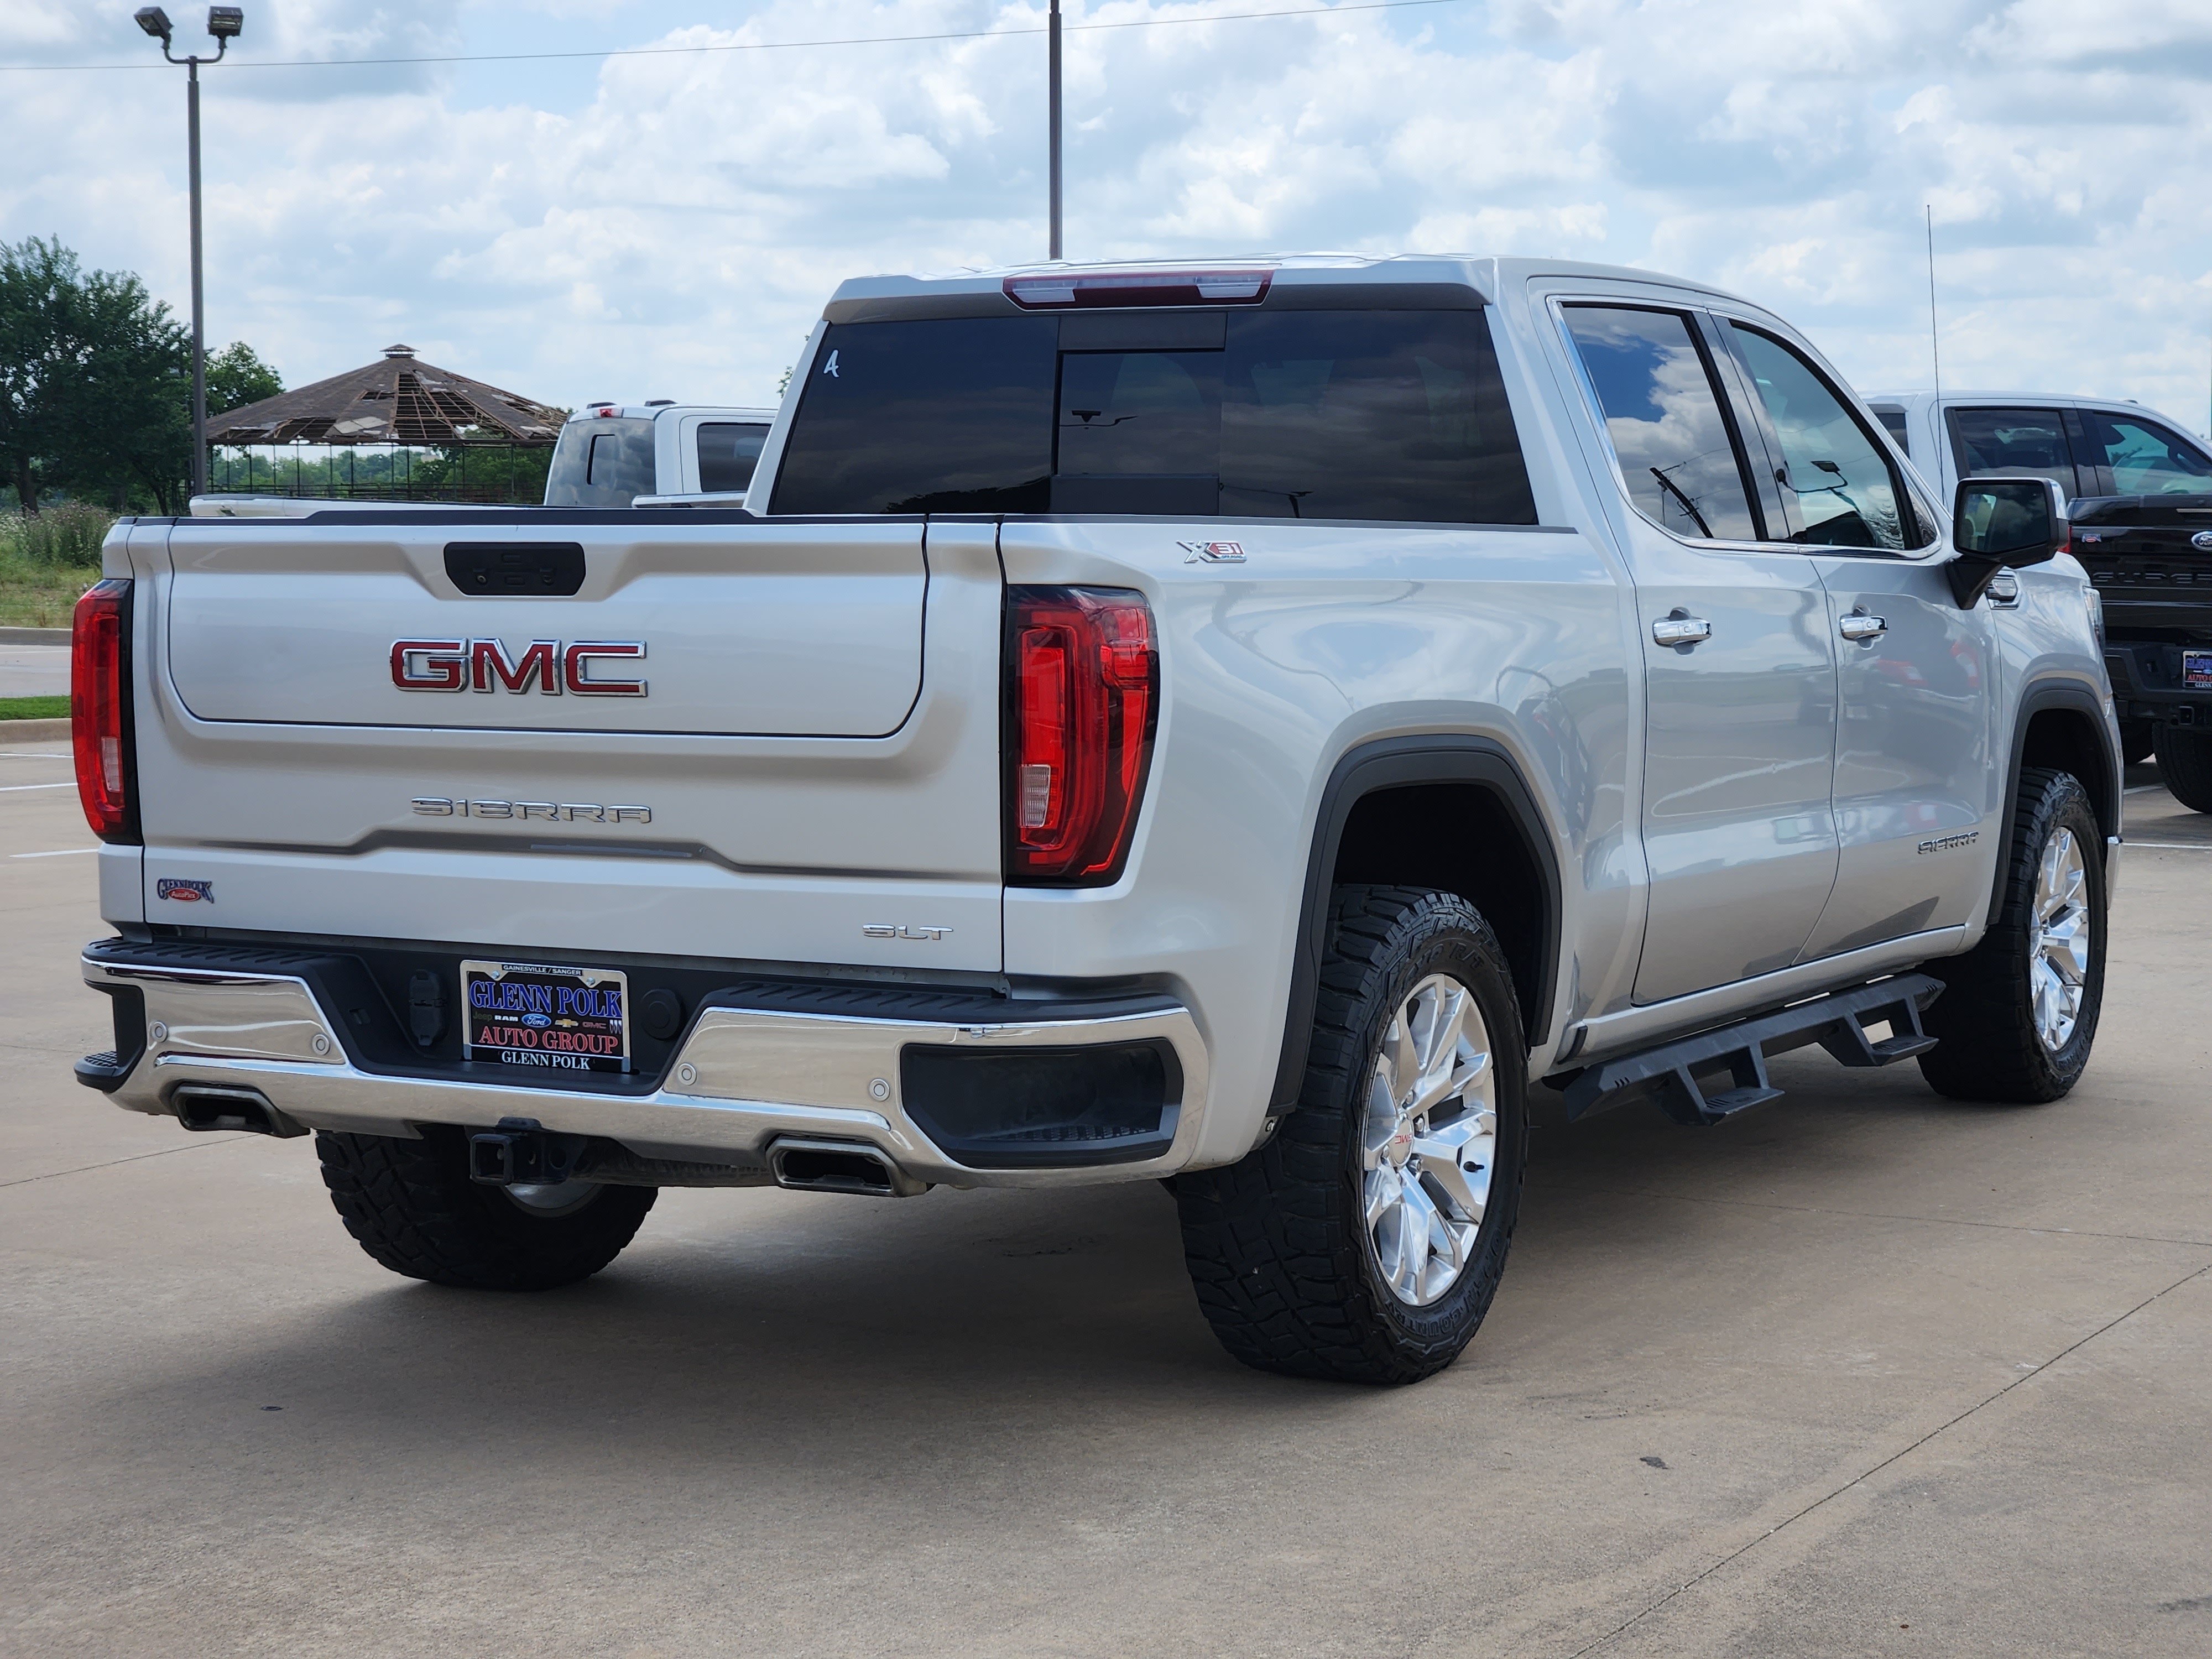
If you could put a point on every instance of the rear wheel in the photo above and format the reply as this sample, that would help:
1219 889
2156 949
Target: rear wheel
2184 762
1365 1242
411 1206
2018 1012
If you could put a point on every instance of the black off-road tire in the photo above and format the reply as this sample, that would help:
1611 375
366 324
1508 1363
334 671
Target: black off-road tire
1278 1245
2138 741
2184 764
1990 1049
411 1206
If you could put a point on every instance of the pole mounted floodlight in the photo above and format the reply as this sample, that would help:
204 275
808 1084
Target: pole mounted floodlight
225 24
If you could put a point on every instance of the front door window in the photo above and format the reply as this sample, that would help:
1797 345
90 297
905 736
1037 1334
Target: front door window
1837 488
2146 458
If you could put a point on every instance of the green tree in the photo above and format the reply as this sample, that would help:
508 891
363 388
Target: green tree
236 376
95 382
120 401
35 278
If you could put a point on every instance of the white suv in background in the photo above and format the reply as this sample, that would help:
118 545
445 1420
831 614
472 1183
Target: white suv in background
2093 447
661 454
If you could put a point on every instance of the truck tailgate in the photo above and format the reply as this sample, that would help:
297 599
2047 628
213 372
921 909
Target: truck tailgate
796 777
803 630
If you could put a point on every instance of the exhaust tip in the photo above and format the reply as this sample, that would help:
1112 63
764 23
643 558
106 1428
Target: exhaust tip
209 1107
840 1166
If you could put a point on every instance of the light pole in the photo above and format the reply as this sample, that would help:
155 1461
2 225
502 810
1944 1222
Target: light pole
224 23
1052 100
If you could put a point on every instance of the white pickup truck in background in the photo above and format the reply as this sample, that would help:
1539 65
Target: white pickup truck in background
661 454
656 454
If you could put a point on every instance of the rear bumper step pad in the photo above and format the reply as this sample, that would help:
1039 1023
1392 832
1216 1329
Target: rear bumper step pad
1669 1074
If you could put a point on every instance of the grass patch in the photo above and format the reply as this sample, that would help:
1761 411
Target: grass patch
38 596
34 708
46 561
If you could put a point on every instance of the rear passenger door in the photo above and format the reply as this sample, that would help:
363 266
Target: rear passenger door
1916 778
1739 659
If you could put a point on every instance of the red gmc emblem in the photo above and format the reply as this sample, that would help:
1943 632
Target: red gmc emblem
481 665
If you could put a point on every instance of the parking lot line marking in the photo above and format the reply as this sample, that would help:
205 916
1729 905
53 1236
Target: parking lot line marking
2173 846
1888 1215
2142 789
28 754
17 788
136 1157
59 853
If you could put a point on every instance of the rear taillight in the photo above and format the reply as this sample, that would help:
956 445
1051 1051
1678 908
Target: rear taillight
99 710
1083 672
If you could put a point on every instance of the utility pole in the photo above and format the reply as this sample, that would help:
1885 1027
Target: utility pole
224 23
1052 70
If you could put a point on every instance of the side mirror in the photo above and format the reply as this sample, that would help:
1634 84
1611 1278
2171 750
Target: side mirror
1998 524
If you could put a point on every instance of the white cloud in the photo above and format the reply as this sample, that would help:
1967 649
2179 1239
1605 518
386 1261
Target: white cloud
669 225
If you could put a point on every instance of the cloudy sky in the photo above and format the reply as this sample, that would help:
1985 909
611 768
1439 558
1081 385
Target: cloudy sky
667 224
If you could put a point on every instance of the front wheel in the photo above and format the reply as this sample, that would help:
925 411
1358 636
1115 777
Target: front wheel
2018 1011
1365 1242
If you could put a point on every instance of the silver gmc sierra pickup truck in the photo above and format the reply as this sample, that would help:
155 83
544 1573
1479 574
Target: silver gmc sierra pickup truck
1238 725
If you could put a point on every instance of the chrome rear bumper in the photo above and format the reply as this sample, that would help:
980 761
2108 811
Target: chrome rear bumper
743 1079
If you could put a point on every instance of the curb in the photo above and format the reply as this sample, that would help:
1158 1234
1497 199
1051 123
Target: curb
33 731
34 636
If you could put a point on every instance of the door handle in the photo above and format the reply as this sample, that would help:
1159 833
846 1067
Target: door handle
1680 629
1861 627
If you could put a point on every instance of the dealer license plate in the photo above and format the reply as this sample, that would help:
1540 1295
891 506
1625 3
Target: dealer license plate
2196 670
555 1018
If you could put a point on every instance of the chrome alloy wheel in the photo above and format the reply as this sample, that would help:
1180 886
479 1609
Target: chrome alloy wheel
1430 1138
2058 941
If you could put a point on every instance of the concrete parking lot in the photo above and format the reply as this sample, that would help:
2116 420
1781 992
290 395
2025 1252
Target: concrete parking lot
1866 1372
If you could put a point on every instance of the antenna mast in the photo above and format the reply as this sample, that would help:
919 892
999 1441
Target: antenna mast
1934 341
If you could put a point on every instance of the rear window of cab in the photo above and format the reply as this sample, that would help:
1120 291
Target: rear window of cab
1342 414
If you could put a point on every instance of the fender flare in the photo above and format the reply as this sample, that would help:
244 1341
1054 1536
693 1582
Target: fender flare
1395 763
2040 697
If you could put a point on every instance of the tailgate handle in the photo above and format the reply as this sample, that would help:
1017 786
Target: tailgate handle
515 570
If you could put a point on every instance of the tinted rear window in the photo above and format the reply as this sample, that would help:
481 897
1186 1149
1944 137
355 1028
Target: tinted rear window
2013 443
1892 423
728 452
601 463
1389 415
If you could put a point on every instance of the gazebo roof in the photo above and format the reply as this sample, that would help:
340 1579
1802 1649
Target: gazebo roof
397 401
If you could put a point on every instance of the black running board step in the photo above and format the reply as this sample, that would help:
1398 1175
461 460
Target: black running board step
1836 1022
